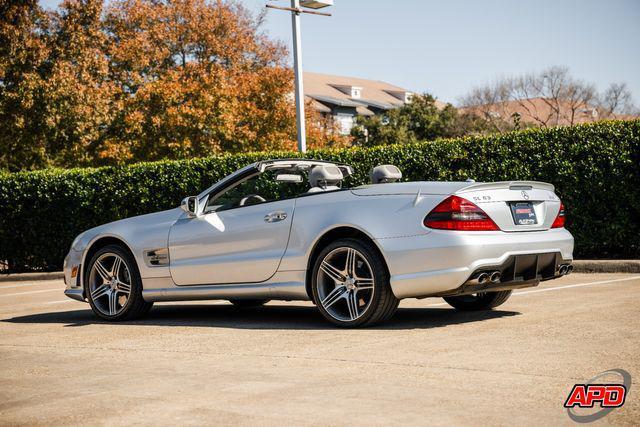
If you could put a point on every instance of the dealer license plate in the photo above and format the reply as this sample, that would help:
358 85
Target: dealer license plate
523 213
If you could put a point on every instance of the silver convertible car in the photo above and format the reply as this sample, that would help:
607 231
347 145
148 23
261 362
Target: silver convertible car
289 230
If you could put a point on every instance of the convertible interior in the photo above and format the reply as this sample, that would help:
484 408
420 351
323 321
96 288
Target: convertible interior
282 182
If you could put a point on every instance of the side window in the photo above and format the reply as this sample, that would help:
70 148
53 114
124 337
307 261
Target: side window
262 188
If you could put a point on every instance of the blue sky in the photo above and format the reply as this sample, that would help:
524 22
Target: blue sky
447 47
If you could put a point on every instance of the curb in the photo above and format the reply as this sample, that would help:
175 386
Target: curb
26 277
606 266
579 266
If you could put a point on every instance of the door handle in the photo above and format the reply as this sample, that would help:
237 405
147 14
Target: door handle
275 216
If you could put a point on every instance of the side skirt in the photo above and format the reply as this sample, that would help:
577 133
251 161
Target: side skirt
286 285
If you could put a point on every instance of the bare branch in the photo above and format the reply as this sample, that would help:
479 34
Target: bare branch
616 100
551 97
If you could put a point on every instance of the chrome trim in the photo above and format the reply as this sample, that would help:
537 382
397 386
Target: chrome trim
275 216
156 257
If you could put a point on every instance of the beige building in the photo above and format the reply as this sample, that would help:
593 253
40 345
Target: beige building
344 98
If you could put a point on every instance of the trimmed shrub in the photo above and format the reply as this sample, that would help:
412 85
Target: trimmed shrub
595 169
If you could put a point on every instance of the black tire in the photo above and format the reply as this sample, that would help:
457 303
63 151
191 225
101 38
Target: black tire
480 301
135 306
248 303
383 303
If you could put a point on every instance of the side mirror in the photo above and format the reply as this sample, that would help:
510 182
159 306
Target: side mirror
190 205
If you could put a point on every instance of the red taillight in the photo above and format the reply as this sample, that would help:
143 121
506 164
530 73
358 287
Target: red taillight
456 213
559 221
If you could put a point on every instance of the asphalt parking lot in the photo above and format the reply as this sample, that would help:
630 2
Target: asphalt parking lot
197 363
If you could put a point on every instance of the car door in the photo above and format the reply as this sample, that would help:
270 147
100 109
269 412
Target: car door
232 243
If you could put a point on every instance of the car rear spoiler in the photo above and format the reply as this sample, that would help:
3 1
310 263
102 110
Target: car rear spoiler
511 185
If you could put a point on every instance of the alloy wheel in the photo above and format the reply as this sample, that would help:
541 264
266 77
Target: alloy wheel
110 284
345 284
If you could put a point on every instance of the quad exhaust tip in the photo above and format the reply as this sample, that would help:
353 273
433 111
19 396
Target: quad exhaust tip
483 277
565 269
486 277
495 277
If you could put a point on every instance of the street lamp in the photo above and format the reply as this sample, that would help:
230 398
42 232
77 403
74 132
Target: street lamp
314 4
296 9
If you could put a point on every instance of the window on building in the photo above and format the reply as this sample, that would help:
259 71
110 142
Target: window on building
345 123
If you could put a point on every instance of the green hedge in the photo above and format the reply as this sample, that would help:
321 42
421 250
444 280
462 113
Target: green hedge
594 167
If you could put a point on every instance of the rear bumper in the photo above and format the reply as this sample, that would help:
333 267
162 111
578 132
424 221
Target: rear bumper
440 262
518 271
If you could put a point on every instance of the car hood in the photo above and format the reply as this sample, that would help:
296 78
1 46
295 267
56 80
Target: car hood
124 227
170 215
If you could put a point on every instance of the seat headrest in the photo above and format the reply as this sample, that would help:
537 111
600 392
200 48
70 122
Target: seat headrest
385 173
324 176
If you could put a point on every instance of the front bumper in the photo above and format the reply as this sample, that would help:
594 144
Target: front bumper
74 289
440 262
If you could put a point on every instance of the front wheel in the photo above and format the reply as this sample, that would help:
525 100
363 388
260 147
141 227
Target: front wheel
479 301
350 284
113 285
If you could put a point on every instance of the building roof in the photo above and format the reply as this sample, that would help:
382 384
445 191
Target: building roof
376 104
341 102
373 93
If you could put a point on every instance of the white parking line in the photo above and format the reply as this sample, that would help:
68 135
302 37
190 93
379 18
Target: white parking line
15 308
578 285
59 302
32 292
556 288
25 285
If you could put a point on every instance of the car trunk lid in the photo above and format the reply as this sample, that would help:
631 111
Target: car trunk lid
409 188
515 205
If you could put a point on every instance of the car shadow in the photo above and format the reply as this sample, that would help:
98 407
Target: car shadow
266 317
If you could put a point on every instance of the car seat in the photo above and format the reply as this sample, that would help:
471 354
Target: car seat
324 178
385 173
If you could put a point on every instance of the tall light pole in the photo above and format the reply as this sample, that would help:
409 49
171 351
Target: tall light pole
297 68
296 10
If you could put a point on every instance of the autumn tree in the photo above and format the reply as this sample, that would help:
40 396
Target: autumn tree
323 131
55 95
80 95
197 78
23 63
138 80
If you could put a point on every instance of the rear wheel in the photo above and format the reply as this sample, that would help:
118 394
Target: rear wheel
350 284
248 303
479 301
113 285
